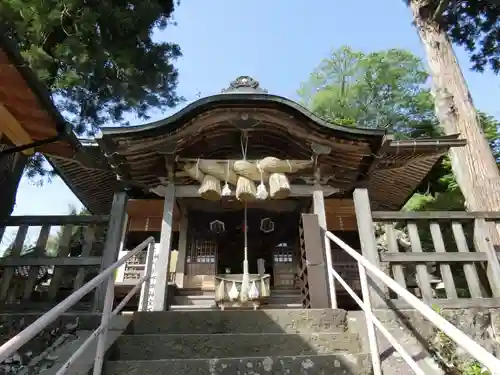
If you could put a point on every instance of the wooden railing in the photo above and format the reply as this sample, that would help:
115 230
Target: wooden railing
446 258
36 275
368 272
105 277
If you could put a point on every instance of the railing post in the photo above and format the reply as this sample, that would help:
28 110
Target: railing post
113 239
370 327
106 316
144 299
484 244
368 243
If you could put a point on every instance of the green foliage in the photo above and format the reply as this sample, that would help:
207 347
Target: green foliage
445 350
475 25
385 89
98 58
472 24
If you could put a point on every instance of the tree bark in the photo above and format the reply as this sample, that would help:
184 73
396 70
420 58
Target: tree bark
474 165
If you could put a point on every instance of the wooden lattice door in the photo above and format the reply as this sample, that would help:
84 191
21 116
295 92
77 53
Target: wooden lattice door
284 265
201 263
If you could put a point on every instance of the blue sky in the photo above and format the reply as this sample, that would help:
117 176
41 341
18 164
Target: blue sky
277 42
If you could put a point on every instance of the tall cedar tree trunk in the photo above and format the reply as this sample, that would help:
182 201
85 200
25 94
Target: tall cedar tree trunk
474 165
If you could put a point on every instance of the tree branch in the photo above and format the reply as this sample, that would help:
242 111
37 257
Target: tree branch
438 12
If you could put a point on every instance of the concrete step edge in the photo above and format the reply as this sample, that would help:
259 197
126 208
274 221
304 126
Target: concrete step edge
263 308
330 354
128 335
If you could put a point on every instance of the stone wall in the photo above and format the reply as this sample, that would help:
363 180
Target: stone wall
38 354
421 340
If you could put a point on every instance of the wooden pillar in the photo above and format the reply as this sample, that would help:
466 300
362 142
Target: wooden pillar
113 239
368 243
120 272
181 256
314 241
319 210
162 263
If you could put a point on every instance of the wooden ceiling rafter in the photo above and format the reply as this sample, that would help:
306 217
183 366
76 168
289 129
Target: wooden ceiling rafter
13 130
22 101
215 117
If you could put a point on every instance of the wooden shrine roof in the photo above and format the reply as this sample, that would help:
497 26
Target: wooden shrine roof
211 128
27 111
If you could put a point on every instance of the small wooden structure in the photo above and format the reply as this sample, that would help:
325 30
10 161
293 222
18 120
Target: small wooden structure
277 177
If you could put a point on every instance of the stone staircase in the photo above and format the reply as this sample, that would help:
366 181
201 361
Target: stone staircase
279 341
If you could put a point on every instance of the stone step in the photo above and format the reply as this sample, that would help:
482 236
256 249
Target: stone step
199 292
283 297
213 306
194 307
193 292
346 364
194 300
241 321
192 346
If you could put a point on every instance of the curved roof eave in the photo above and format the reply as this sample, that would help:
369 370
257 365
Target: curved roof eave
209 102
42 94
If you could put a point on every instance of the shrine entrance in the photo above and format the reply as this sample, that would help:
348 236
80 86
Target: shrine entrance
216 242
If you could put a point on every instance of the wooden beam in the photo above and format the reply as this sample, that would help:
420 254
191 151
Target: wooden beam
368 243
317 269
433 257
162 263
433 215
225 161
49 261
191 191
35 221
319 210
12 129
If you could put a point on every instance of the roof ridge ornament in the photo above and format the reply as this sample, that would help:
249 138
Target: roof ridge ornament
244 85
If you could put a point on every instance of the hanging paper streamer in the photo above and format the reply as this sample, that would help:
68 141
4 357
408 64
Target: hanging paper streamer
226 190
254 292
233 293
261 189
220 292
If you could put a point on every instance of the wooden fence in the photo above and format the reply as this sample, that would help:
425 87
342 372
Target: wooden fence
32 279
446 258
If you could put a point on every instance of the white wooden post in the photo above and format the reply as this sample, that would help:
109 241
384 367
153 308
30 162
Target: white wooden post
162 263
181 256
368 242
319 209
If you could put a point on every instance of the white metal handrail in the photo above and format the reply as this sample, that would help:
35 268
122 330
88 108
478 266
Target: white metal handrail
108 275
487 359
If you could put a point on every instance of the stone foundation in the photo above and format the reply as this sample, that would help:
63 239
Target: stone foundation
419 337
